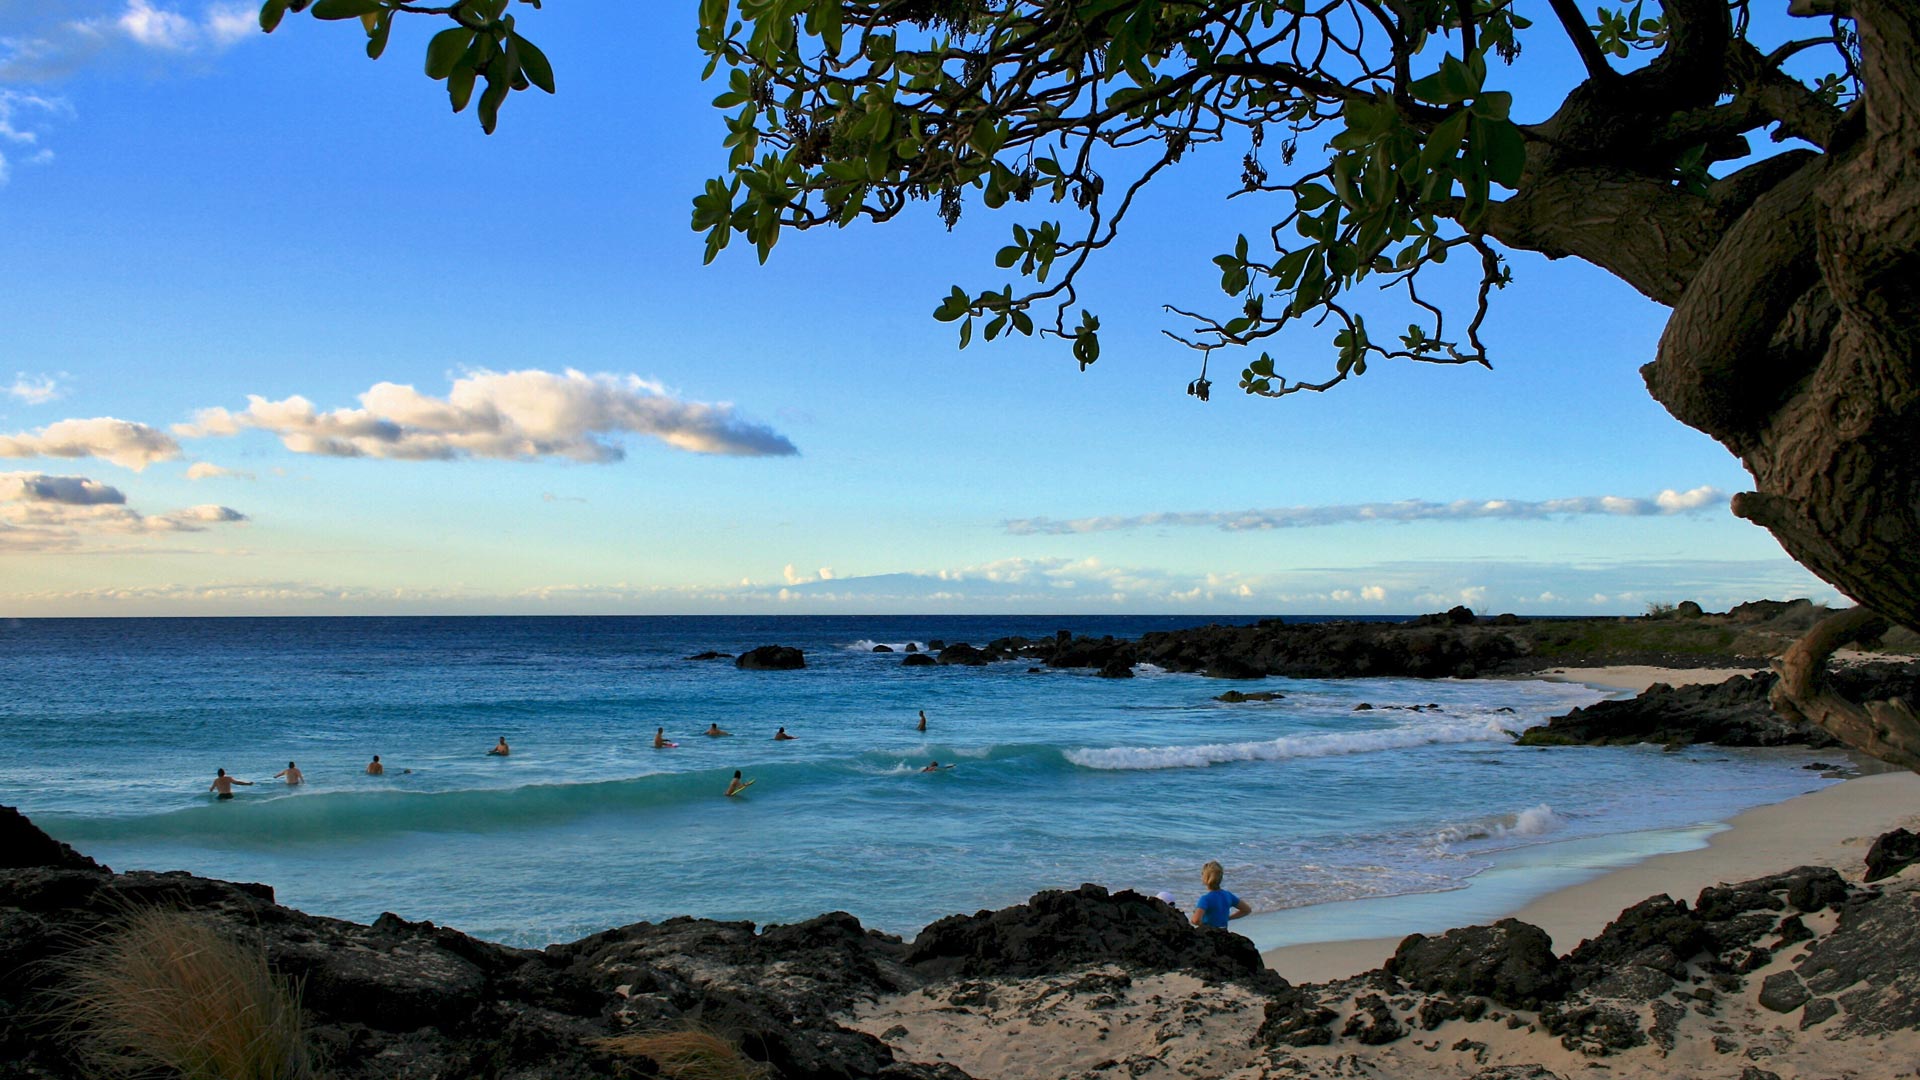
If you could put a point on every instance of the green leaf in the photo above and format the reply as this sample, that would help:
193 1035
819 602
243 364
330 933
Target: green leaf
271 13
445 50
1312 197
377 37
490 101
344 9
1506 151
460 84
538 69
1443 145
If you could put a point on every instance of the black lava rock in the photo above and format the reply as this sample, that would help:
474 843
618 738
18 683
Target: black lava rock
771 658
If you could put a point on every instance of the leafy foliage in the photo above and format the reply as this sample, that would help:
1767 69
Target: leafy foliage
1378 128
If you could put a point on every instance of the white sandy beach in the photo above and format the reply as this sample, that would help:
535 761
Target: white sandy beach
1831 827
1637 677
1107 1021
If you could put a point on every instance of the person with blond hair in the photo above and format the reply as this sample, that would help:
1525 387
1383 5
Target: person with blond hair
1216 906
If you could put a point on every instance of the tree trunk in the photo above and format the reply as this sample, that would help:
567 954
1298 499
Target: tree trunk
1798 344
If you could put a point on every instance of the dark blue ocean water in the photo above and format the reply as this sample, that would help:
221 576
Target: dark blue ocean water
113 728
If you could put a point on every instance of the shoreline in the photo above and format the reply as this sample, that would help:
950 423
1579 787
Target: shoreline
1830 827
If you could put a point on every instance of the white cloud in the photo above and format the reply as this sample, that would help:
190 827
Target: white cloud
516 415
39 512
24 118
1300 517
157 28
48 41
122 442
207 470
66 490
1374 594
34 389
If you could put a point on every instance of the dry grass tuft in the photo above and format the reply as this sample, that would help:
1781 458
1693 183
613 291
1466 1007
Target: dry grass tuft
690 1053
168 992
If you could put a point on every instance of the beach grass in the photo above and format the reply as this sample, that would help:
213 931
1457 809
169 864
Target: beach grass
687 1053
166 992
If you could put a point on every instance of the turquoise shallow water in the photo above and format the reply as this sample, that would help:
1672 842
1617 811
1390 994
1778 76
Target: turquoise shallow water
113 729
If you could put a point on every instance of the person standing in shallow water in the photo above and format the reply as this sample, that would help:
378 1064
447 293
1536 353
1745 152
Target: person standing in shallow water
500 748
374 768
222 785
293 775
923 721
1217 906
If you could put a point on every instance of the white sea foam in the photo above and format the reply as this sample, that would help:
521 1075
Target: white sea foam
1533 821
866 645
1285 747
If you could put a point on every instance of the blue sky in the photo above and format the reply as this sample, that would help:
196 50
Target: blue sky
366 359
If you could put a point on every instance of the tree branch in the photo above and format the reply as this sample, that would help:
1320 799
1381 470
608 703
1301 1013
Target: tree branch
1575 24
1888 730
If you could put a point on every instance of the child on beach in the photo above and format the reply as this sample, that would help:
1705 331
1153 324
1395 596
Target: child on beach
1216 906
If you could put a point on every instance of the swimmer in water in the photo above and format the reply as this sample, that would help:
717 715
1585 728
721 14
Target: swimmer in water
374 768
781 735
660 739
934 766
223 784
713 730
923 720
500 748
736 785
292 773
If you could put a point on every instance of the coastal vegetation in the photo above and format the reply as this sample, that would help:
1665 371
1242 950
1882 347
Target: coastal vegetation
686 1053
172 991
1389 156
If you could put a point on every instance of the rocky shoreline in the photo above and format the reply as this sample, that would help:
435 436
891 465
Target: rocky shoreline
1451 644
1751 980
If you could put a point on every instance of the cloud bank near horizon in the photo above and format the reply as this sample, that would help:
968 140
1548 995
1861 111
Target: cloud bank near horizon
1667 503
1011 586
514 416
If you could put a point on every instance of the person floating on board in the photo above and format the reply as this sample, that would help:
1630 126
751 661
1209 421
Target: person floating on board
923 721
500 749
1216 906
223 784
781 735
374 768
293 774
713 731
660 739
934 766
737 785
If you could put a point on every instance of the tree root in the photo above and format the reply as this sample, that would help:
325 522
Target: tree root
1888 730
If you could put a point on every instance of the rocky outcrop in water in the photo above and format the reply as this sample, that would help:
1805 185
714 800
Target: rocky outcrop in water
771 658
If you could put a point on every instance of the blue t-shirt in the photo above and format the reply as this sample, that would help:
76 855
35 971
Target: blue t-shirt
1216 908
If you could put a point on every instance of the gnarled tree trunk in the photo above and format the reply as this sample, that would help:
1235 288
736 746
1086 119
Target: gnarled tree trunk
1795 335
1798 343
